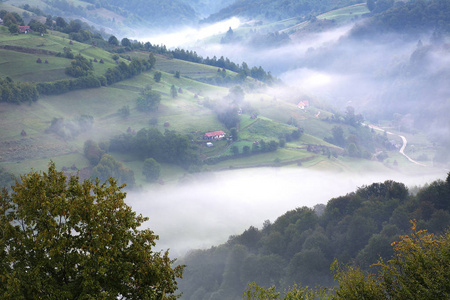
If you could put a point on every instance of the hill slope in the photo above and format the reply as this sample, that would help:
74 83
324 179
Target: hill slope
271 129
276 10
299 246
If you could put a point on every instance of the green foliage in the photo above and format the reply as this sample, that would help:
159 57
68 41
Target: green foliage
6 179
295 292
80 67
37 26
109 167
157 76
125 42
65 239
228 115
124 111
416 271
125 71
277 10
17 92
170 147
64 86
113 40
406 17
148 101
173 91
355 228
151 169
13 28
93 152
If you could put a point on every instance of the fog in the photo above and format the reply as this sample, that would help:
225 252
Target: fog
207 210
186 36
380 76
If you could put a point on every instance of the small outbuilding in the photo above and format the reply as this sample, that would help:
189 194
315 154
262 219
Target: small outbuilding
303 104
214 135
25 29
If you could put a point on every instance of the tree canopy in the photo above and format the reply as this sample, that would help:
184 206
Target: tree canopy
62 239
299 246
418 270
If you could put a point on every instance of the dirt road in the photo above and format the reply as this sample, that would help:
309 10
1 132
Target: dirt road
402 149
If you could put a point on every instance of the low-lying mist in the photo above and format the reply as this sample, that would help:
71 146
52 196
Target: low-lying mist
380 76
206 211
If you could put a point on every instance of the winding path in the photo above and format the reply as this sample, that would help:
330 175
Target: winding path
402 149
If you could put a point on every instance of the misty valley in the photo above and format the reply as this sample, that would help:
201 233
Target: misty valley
224 149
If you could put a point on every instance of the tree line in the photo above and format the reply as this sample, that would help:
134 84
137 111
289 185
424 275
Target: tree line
87 80
300 246
406 17
417 270
17 92
168 147
188 55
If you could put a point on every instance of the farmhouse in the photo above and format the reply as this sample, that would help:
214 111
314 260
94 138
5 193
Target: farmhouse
303 104
1 21
24 29
215 135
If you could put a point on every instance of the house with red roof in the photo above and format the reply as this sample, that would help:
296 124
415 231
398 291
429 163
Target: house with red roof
24 29
303 104
214 135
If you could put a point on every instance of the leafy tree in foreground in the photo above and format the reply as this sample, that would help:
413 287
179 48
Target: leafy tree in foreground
417 270
62 239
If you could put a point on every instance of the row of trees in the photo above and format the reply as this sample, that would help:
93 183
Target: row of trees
300 246
67 85
192 56
17 92
125 71
81 67
168 147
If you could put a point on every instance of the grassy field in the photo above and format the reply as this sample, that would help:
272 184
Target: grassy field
345 14
186 114
21 65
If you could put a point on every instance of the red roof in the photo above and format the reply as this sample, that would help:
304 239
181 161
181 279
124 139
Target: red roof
24 28
214 133
303 103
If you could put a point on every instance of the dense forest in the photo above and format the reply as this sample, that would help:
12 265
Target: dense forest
412 17
277 10
299 246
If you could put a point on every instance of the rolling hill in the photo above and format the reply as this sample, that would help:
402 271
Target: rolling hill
29 138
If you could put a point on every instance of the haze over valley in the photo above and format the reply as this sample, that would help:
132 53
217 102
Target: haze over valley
253 134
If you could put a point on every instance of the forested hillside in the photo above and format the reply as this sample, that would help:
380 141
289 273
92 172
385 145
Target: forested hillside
411 17
277 10
154 12
299 246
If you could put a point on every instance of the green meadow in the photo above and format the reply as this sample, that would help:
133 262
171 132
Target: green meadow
185 114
